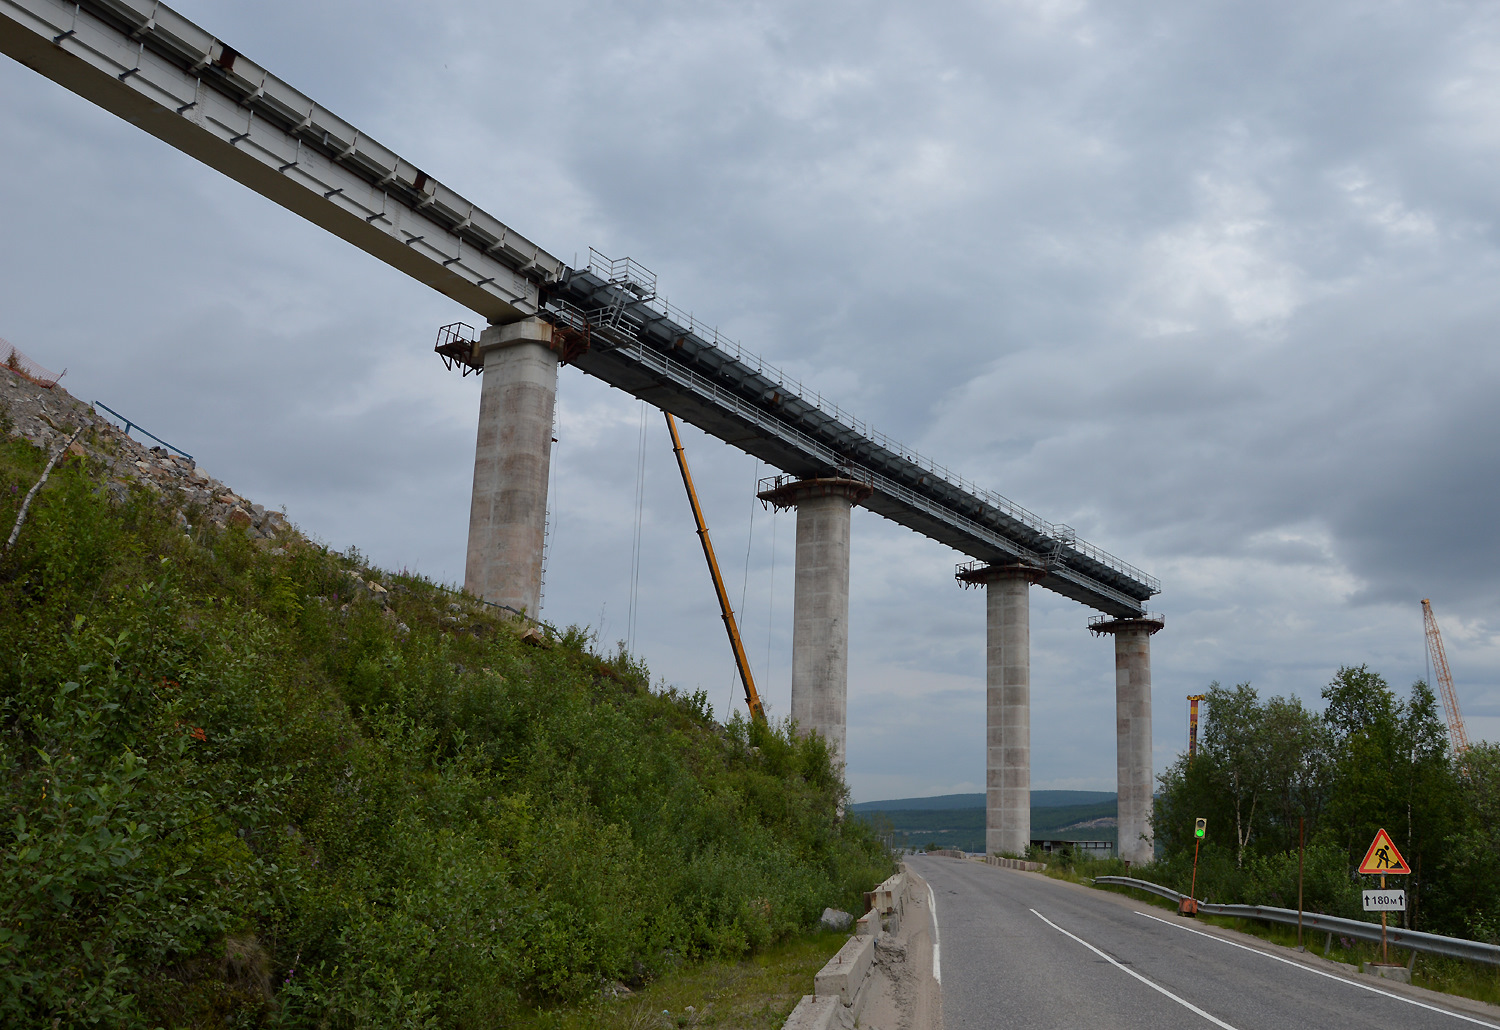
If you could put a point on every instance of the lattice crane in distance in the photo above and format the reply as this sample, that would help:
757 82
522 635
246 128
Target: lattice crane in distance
1445 682
1193 700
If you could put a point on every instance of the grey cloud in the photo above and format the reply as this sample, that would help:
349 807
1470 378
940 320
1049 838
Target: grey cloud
1213 284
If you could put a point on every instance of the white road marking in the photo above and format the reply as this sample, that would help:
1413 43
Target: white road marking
1332 976
1149 983
937 966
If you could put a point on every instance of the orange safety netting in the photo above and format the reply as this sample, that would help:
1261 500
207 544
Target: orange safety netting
27 369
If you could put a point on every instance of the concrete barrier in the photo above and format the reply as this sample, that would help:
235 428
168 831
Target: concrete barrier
1014 863
839 987
888 903
815 1013
844 974
886 898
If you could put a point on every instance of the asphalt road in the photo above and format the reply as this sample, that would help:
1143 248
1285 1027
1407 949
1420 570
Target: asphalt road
1018 950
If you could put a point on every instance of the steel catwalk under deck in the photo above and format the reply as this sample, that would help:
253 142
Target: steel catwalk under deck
156 69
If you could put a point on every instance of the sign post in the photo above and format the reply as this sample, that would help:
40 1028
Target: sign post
1188 906
1384 860
1301 849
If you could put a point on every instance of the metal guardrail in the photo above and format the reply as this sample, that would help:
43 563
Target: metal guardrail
129 425
1414 940
1141 885
518 613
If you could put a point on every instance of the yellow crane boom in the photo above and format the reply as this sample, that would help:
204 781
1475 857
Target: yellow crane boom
752 699
1445 682
1193 700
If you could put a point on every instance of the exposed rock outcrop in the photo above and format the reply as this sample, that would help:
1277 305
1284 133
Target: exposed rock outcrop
48 417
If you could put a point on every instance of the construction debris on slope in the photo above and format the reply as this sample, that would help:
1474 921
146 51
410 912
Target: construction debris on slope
48 416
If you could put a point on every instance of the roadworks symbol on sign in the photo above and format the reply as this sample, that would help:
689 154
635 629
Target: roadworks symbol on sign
1383 858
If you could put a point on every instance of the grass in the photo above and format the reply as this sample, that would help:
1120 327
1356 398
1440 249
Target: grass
1077 869
757 993
1455 976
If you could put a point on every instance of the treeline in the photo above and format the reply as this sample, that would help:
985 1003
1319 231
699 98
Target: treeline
1268 771
244 787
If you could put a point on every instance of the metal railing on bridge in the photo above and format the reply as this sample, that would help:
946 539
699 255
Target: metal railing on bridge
156 68
633 330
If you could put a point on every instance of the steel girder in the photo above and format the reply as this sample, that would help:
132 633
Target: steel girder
154 68
644 351
151 66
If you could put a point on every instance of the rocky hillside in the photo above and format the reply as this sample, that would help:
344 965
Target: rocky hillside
49 417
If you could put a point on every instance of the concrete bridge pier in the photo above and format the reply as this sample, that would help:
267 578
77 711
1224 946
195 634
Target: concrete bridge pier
1007 679
512 458
820 605
1133 767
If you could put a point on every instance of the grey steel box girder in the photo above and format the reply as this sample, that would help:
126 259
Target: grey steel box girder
728 398
148 64
153 67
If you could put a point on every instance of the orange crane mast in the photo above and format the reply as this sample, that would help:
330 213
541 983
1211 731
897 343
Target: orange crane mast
1445 682
1193 700
741 660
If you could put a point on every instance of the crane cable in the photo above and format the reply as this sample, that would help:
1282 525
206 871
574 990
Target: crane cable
635 548
745 579
771 602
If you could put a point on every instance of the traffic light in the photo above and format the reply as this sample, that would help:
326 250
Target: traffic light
1200 828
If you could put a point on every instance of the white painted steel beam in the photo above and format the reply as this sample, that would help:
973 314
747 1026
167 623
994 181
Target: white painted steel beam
154 68
149 65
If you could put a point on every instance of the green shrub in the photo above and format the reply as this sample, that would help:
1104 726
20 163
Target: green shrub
1326 885
239 794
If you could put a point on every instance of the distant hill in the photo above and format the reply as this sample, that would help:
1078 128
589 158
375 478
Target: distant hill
944 802
957 820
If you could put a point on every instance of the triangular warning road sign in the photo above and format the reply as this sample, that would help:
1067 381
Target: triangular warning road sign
1383 858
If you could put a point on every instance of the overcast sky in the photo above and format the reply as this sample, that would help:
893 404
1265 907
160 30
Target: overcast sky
1213 283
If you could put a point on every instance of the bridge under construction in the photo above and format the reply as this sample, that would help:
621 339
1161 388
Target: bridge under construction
151 66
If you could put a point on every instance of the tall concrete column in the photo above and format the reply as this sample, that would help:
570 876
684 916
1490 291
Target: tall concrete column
1007 681
1135 777
512 458
820 605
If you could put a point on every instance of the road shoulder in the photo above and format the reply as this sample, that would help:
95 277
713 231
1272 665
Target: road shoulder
904 993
